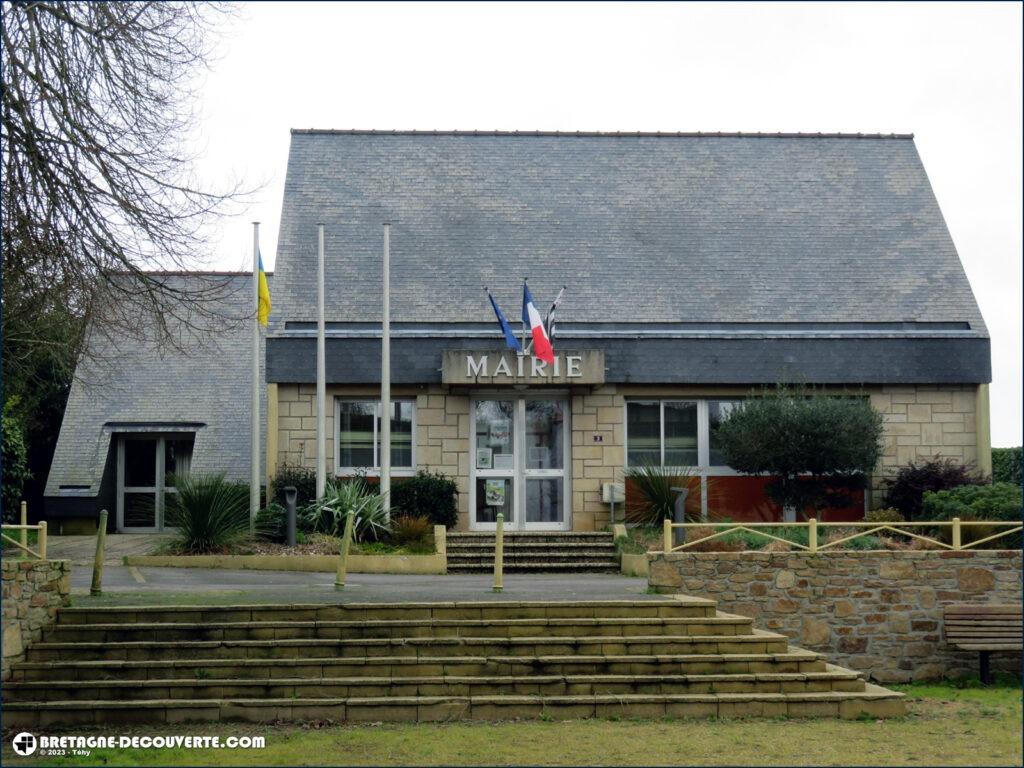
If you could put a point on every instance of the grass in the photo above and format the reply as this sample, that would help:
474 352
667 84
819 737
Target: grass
16 553
947 725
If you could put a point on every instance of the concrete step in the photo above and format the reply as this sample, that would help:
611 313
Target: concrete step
792 660
542 537
676 606
534 566
723 624
872 702
833 679
557 555
528 546
420 647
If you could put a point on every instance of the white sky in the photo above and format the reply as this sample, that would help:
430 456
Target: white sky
950 73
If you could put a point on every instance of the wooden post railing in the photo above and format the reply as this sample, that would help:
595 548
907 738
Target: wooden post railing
346 543
956 533
41 545
97 566
24 523
812 534
667 531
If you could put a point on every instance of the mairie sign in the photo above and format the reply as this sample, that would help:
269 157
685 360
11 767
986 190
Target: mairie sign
509 367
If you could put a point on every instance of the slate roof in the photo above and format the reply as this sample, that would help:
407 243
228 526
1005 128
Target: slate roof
642 227
132 384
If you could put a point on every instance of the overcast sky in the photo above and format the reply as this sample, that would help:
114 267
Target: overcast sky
949 73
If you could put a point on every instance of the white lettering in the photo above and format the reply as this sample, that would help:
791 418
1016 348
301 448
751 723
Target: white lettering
519 366
503 368
555 370
538 367
476 368
573 363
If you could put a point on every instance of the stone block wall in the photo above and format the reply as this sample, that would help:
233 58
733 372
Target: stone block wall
33 590
879 612
598 453
924 421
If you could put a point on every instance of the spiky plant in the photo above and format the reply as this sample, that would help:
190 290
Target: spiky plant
328 515
654 498
210 513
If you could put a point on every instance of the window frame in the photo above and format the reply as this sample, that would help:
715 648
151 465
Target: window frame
374 471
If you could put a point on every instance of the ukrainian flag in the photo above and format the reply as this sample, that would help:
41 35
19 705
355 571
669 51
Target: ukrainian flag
263 310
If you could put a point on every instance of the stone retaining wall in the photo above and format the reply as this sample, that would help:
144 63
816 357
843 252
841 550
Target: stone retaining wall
33 590
877 612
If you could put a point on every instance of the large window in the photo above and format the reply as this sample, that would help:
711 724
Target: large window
147 468
675 433
357 436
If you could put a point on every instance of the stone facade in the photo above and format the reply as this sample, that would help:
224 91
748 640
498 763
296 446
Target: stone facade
879 612
925 421
920 422
32 593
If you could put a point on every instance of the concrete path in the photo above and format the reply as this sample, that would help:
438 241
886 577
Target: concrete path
144 585
81 550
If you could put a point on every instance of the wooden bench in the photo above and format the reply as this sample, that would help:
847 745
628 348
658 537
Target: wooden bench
984 628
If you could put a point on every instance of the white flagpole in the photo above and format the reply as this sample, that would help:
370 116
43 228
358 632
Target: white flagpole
385 378
254 480
321 375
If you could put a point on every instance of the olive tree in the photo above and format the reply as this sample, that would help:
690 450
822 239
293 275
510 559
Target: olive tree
815 448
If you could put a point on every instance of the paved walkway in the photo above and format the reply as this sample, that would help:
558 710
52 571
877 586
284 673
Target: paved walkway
144 585
81 550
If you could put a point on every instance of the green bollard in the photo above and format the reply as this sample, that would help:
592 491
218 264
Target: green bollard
346 541
97 566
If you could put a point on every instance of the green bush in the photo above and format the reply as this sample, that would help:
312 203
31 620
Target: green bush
905 492
996 502
210 514
815 448
886 515
329 514
304 480
272 522
428 494
14 462
1006 465
653 499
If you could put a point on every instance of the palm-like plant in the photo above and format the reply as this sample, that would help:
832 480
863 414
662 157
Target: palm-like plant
209 513
654 498
370 521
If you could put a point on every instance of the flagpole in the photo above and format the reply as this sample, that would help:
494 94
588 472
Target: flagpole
321 375
254 480
385 378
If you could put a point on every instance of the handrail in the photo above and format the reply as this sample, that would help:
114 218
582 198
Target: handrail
814 527
40 552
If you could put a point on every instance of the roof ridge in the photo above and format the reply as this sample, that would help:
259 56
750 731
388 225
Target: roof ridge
603 134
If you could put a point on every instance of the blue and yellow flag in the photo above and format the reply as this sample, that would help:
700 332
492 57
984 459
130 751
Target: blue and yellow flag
263 310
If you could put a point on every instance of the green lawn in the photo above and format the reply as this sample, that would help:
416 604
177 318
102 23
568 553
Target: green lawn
946 726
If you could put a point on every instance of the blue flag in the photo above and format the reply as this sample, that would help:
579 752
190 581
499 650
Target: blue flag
510 337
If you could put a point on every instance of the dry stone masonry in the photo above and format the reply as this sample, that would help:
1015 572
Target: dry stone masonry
32 593
878 612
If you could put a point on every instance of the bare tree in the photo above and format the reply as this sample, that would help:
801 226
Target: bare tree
99 189
100 199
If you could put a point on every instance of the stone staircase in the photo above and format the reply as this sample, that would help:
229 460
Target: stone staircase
552 552
655 657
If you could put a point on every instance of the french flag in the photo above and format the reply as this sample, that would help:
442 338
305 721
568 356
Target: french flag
531 317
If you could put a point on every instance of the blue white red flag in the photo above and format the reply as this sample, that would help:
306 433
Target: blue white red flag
532 319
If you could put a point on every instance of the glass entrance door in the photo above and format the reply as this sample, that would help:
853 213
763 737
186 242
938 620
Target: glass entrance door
146 469
520 451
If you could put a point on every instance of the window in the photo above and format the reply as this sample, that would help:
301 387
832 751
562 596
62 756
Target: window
676 433
357 436
147 468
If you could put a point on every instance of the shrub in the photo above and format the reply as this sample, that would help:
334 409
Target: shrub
1000 501
653 499
272 522
328 515
210 513
815 448
14 461
1006 465
410 529
885 515
304 480
906 490
431 495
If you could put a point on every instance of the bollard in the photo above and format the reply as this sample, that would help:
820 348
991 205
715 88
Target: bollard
956 533
346 541
24 522
42 540
499 553
679 515
97 566
290 496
